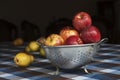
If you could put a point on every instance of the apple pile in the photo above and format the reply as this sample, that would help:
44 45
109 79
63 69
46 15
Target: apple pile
82 32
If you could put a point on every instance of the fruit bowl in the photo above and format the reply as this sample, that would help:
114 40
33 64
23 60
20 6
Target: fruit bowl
71 56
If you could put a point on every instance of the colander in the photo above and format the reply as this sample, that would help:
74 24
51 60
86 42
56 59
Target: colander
71 56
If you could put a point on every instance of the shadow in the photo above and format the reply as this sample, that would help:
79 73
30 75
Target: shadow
29 31
100 24
8 31
56 25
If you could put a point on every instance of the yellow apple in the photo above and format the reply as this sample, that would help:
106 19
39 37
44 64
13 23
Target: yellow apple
42 52
27 49
33 46
23 59
31 58
54 40
18 41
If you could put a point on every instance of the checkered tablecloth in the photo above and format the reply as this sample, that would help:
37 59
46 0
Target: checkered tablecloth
106 66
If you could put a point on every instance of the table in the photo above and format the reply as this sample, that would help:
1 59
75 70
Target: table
106 66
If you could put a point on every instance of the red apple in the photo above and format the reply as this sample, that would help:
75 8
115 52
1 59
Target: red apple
90 35
73 40
82 20
67 32
54 40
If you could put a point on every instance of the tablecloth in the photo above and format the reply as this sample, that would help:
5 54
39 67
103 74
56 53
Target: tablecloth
105 66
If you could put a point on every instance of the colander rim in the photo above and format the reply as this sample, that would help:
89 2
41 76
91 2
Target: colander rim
66 46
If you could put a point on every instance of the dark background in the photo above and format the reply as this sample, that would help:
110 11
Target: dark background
38 15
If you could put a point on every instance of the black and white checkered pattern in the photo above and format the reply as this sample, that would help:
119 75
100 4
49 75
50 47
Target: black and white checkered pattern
106 66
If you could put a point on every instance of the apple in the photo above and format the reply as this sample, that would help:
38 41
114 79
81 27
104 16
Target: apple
54 40
42 52
67 32
23 59
33 46
90 35
81 20
73 40
18 42
27 49
42 40
31 58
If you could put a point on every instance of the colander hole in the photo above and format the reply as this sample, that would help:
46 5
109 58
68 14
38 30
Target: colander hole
60 60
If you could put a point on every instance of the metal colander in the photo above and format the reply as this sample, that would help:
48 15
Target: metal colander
71 56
